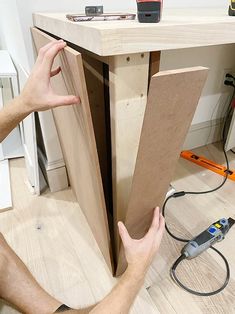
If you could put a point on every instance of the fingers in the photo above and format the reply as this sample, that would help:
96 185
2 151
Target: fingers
161 228
157 225
126 239
155 221
65 100
55 72
50 55
44 49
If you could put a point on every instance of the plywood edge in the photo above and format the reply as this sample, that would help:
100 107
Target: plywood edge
50 38
93 147
178 71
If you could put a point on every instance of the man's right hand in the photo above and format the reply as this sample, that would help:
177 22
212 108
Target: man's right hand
140 253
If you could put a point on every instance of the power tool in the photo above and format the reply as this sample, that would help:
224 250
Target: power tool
215 233
149 11
231 10
205 240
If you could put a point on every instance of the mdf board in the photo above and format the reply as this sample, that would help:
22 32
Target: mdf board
75 129
172 101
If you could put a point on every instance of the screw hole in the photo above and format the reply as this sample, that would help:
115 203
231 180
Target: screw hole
128 59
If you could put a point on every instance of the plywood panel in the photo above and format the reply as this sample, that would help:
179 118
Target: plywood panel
75 129
172 100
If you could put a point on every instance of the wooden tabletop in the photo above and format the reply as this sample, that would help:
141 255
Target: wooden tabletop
179 28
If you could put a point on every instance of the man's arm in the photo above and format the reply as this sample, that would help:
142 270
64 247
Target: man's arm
139 255
37 94
12 114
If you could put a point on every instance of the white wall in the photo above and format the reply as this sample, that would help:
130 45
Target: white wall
12 39
219 59
11 33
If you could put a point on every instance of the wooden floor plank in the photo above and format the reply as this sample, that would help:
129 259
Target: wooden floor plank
51 235
54 223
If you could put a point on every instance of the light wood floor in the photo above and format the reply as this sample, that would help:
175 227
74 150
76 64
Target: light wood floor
52 237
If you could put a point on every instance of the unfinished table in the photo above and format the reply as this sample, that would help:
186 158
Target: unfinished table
119 60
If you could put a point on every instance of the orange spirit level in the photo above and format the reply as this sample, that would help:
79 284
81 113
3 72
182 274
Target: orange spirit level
208 164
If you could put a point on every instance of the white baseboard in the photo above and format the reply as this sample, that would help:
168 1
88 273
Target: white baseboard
56 177
203 133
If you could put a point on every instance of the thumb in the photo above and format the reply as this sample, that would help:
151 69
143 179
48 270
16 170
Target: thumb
66 100
126 239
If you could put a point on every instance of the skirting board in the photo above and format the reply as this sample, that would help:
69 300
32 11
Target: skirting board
204 133
56 178
5 186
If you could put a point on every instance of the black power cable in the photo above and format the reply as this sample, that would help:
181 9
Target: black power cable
183 193
201 294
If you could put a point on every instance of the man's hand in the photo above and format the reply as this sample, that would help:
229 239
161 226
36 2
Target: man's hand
140 253
38 94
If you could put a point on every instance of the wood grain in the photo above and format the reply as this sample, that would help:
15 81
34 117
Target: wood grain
128 84
75 129
155 59
172 101
182 28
